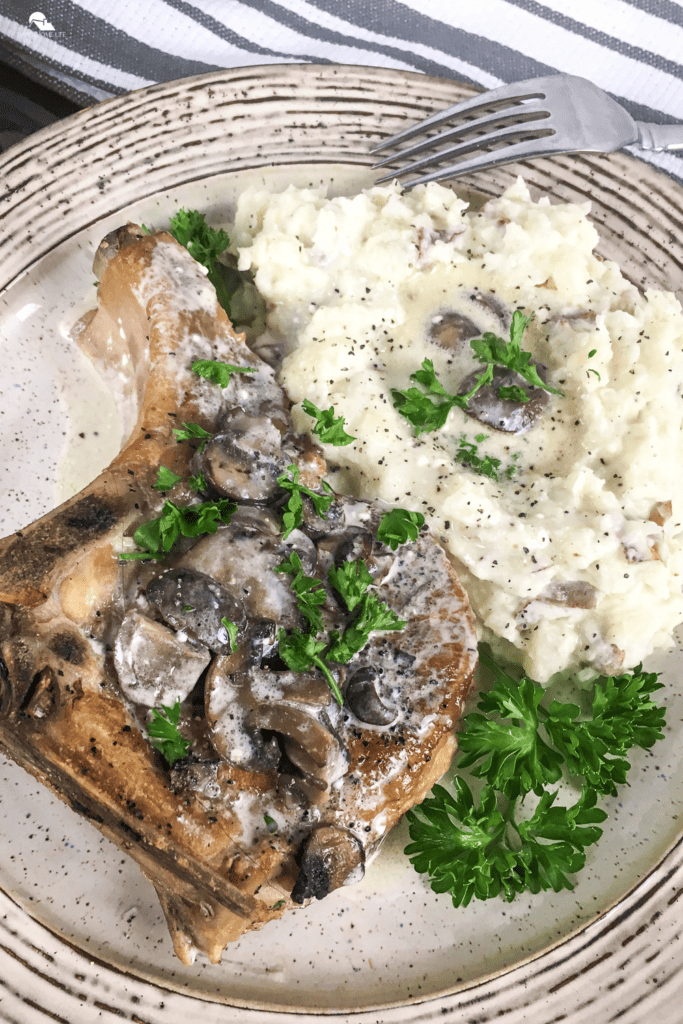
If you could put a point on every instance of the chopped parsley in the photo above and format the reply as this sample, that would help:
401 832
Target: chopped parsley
231 630
165 735
468 455
309 591
329 429
192 431
303 652
398 526
197 483
157 536
293 514
166 479
217 372
205 244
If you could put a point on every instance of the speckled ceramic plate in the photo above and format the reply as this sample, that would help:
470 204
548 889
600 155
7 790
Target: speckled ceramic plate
81 935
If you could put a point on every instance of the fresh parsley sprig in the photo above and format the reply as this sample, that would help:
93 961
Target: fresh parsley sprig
205 244
466 850
328 428
514 756
157 536
309 591
293 512
480 850
165 735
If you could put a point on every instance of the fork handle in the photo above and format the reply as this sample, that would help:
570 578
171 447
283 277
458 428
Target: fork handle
659 136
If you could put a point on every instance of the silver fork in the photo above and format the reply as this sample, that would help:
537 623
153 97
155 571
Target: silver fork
538 117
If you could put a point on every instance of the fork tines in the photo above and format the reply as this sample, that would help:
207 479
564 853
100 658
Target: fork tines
510 117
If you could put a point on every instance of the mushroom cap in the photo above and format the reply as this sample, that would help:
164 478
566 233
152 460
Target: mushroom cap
196 603
153 665
452 330
244 462
487 407
328 858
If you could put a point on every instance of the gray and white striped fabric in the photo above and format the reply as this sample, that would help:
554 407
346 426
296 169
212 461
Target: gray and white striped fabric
93 49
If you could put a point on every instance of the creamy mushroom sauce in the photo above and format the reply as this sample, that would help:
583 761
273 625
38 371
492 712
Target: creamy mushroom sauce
286 769
358 292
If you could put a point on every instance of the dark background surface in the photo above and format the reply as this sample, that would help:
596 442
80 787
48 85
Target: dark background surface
25 106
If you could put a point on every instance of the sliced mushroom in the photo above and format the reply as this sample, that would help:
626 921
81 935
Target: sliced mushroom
245 461
452 330
153 665
363 698
243 560
196 603
328 858
228 701
502 413
354 546
492 304
310 745
572 593
332 523
113 243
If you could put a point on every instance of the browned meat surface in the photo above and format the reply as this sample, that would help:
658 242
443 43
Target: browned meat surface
284 794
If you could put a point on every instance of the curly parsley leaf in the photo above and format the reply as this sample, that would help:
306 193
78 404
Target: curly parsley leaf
475 850
157 536
329 429
165 735
371 614
205 244
308 589
623 716
293 512
197 483
302 652
351 580
481 851
467 454
231 630
192 431
217 372
166 479
513 757
399 526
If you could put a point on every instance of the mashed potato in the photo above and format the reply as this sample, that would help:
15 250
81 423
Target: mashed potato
574 554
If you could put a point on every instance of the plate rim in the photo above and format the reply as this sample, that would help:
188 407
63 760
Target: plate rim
672 860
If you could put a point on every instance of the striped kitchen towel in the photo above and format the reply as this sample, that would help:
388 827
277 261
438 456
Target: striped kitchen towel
93 49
